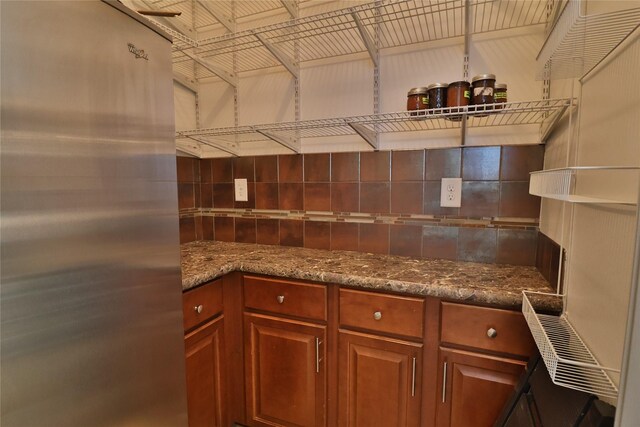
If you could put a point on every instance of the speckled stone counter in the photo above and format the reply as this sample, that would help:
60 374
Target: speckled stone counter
494 284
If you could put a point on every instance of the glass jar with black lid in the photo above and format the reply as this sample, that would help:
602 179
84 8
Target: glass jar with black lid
437 95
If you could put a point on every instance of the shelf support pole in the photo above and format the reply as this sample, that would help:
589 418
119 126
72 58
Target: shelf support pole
366 39
280 56
185 81
368 135
226 21
285 141
219 146
465 64
291 7
228 77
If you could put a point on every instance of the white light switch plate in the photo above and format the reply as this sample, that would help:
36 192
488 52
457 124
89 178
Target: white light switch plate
242 193
451 192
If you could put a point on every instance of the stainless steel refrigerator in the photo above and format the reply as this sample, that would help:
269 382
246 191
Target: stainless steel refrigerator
91 321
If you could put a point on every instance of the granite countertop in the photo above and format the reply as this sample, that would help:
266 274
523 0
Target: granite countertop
494 284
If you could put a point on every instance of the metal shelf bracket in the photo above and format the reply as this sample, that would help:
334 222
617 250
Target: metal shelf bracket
284 59
219 146
226 21
185 81
288 142
228 77
367 134
366 39
291 7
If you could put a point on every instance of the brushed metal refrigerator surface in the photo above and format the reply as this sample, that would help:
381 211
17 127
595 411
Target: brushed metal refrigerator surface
90 293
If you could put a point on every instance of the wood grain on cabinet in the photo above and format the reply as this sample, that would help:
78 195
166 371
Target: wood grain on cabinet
380 381
234 348
205 372
467 325
201 304
285 371
398 315
474 387
285 297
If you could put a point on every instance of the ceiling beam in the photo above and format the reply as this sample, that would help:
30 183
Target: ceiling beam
185 81
283 58
220 16
290 143
368 42
367 134
228 77
291 6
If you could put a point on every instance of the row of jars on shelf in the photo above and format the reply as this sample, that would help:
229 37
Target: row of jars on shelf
482 90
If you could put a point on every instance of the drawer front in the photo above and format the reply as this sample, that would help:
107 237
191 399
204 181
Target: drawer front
492 329
382 313
201 303
289 298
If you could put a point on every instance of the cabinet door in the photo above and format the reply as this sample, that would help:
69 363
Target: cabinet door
204 350
285 371
474 387
379 381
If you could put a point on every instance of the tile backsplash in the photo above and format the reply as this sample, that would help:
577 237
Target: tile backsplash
382 202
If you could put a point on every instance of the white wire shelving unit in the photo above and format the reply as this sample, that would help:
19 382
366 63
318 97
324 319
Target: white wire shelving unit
569 361
513 113
588 184
578 41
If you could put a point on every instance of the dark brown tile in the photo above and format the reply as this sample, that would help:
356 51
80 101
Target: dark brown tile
290 168
481 163
345 167
268 231
196 170
407 165
197 195
317 167
187 230
518 160
206 195
406 197
517 247
184 167
374 238
267 195
245 230
207 228
205 171
443 163
251 196
440 242
243 167
345 197
266 169
186 197
515 200
375 166
405 240
317 235
222 195
477 244
223 229
548 259
222 170
291 232
344 236
291 196
432 200
198 220
480 199
317 196
374 197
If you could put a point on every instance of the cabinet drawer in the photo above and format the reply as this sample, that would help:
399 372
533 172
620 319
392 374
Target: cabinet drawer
283 297
201 303
382 313
492 329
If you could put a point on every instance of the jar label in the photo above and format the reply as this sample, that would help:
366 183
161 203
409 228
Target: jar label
482 91
425 99
467 94
501 95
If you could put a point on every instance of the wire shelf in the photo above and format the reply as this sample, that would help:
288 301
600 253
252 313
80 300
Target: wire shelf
568 360
578 42
588 184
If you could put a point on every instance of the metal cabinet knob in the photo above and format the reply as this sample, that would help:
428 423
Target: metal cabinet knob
377 315
492 333
280 299
198 309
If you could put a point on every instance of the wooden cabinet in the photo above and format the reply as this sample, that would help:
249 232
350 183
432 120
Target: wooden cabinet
481 357
285 371
204 351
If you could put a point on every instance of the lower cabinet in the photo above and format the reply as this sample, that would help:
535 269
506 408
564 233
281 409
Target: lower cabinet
474 387
379 381
285 371
204 348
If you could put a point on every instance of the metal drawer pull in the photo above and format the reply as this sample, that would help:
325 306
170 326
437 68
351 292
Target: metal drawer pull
377 315
413 379
492 333
280 299
318 342
198 308
444 383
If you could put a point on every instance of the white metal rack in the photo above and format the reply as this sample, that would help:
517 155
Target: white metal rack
568 360
578 41
513 113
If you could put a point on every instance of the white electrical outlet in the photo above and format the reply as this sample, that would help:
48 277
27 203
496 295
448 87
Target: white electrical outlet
451 192
242 193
